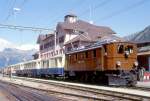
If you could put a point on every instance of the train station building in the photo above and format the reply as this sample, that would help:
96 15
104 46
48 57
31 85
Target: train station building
74 33
69 34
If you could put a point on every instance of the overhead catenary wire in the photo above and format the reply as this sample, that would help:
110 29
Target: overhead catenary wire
10 11
125 9
60 15
101 4
16 27
23 3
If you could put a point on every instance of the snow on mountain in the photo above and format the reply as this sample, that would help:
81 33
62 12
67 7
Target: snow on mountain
11 53
140 37
5 44
27 47
12 56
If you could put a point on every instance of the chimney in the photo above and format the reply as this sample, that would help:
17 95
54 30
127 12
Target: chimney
70 18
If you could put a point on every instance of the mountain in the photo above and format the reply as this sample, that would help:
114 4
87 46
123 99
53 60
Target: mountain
140 37
5 44
12 54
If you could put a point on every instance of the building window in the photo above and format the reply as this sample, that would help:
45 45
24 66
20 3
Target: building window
41 47
69 48
61 39
49 44
75 46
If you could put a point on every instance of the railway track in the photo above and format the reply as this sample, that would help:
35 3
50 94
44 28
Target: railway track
19 93
89 93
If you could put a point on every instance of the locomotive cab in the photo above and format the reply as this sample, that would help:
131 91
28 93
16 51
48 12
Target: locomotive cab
120 61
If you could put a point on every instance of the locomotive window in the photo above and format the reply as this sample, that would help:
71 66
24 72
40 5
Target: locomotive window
105 49
75 57
82 55
86 54
129 49
69 58
94 53
120 48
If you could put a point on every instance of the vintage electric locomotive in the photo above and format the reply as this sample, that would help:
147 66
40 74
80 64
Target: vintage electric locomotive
111 62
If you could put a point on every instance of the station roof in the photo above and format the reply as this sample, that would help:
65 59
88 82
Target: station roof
143 49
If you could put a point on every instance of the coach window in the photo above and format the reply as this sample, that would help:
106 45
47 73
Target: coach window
47 63
120 48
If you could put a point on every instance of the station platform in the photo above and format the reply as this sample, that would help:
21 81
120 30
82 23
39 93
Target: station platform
44 85
143 84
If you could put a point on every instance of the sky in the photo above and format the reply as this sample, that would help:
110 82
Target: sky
123 16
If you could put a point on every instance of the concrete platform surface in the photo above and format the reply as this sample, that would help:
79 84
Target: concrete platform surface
50 87
145 84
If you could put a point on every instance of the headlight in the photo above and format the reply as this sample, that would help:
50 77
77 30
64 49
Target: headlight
136 63
127 52
118 63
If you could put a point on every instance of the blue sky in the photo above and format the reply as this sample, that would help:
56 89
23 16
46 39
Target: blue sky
123 16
